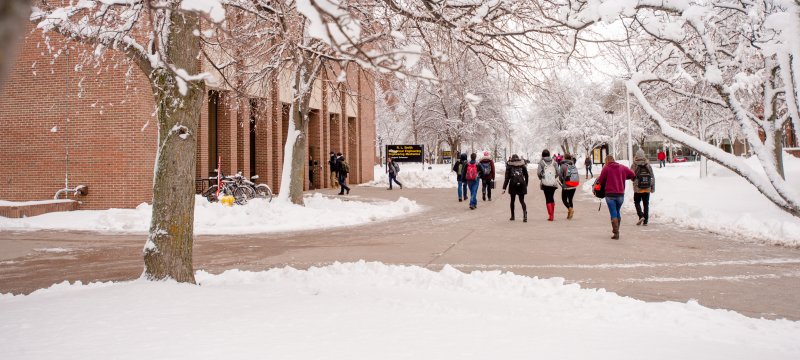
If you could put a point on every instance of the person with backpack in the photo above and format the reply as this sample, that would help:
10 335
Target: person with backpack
459 167
344 169
334 171
487 180
548 177
516 181
569 179
472 174
588 164
392 169
643 185
612 179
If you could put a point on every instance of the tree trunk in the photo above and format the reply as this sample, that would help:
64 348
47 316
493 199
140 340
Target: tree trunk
13 15
778 141
294 156
168 253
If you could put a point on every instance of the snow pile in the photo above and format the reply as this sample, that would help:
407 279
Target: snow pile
723 202
413 176
257 216
371 310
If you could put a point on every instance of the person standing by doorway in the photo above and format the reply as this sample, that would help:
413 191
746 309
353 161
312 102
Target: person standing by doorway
487 179
334 171
344 170
516 181
548 177
588 164
612 178
392 169
643 185
662 159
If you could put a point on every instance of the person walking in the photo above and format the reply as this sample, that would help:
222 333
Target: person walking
643 185
344 169
662 159
471 175
588 164
569 179
612 178
332 165
459 167
487 180
548 177
516 181
392 169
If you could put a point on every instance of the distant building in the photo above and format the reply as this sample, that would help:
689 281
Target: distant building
97 127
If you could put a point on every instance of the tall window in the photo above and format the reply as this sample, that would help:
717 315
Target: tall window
213 146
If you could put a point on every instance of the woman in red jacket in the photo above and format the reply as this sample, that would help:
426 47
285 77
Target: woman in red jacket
613 179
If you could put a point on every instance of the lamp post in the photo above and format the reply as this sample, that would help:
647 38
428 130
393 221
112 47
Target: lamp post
612 146
628 110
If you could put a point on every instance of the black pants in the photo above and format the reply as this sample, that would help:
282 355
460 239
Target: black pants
549 191
643 198
589 171
521 202
486 188
566 197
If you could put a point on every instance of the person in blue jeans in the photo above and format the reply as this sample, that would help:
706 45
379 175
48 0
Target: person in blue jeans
458 167
471 175
613 179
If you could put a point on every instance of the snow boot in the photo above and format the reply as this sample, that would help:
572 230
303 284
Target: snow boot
615 229
570 212
551 211
524 215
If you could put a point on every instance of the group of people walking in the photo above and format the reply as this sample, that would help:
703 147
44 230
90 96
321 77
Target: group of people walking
339 171
553 174
472 173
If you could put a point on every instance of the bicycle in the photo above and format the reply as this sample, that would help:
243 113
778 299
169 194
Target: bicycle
240 188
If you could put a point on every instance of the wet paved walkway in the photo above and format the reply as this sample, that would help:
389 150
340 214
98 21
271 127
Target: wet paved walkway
655 263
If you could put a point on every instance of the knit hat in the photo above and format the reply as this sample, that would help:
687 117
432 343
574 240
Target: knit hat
486 153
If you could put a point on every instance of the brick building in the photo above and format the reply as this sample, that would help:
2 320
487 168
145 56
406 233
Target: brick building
66 123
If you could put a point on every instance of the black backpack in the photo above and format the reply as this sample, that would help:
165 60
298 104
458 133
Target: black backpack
599 190
517 176
644 179
486 168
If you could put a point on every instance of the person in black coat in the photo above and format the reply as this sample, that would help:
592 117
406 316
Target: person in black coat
516 181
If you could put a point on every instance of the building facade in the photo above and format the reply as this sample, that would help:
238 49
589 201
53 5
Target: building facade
68 122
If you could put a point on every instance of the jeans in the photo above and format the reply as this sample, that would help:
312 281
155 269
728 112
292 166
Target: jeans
393 177
462 189
486 188
343 184
643 198
589 171
662 163
473 190
614 203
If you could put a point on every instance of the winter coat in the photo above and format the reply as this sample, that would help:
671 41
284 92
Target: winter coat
546 161
614 176
464 171
513 189
587 162
342 168
562 174
334 163
662 156
641 160
489 176
392 168
460 166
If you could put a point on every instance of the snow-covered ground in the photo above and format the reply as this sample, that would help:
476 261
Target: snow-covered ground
723 202
370 311
257 216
